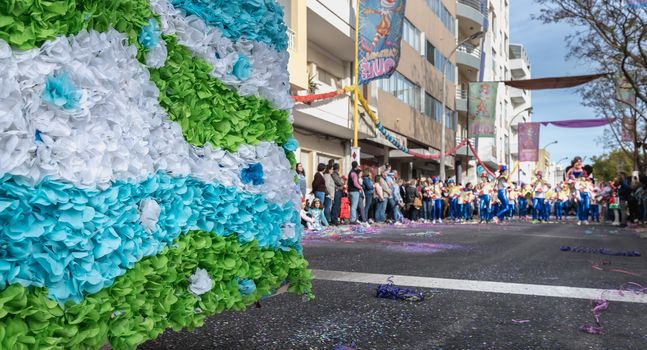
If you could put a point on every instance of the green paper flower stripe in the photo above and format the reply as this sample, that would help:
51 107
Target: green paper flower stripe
27 24
151 297
208 111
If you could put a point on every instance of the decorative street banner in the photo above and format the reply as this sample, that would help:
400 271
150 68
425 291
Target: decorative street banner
529 142
627 129
624 91
482 108
380 32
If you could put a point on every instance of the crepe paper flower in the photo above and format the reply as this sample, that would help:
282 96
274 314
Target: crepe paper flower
61 92
150 35
242 68
137 307
253 174
149 214
291 145
200 282
38 138
246 286
254 20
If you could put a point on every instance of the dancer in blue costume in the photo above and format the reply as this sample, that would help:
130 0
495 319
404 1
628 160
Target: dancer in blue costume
484 190
502 193
582 192
538 200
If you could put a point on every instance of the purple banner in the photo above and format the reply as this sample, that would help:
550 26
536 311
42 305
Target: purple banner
380 32
529 142
579 123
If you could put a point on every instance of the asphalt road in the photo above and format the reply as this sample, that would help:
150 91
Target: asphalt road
349 314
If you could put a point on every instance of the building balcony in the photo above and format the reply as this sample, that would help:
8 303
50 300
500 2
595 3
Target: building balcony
461 99
470 17
519 62
292 36
518 96
330 26
468 56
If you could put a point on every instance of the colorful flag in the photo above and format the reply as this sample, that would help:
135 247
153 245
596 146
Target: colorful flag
380 32
529 142
482 108
627 129
624 91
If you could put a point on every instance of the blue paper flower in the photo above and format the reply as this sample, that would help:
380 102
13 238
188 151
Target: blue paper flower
61 92
242 68
77 241
291 144
253 20
150 35
253 174
246 286
37 137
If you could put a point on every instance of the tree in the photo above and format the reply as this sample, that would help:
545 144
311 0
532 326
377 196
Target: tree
607 166
611 37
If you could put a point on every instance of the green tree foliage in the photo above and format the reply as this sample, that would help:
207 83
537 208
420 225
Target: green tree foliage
607 166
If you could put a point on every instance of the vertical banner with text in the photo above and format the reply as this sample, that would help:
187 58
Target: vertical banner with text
627 132
529 142
380 32
482 108
624 90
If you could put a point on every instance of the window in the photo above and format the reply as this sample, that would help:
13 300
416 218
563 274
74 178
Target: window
327 78
443 14
430 53
431 106
450 118
411 35
403 89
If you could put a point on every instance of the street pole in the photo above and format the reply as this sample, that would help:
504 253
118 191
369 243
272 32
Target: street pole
356 75
443 121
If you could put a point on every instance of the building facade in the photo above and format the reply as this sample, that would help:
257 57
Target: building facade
521 110
409 104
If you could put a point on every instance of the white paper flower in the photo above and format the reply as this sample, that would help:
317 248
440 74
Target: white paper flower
200 282
149 213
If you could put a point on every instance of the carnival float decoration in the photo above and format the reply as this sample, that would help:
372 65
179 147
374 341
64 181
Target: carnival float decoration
146 158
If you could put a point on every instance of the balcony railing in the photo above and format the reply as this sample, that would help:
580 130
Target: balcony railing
470 50
461 93
475 4
292 39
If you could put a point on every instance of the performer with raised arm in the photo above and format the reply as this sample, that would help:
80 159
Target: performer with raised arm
502 193
538 189
484 191
578 175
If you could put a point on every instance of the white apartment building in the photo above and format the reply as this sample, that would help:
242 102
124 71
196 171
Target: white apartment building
521 110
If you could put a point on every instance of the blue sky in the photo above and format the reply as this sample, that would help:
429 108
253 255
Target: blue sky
547 50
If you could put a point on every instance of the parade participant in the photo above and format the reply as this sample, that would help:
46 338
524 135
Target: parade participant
525 194
549 201
596 198
558 200
437 198
502 193
465 200
583 198
577 169
538 189
484 191
453 192
564 196
513 194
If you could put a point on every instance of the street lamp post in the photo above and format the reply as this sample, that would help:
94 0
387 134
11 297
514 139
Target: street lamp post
443 121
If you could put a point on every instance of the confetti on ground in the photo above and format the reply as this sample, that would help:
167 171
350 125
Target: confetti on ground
604 251
390 291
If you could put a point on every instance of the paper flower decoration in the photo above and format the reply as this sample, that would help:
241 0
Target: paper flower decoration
246 287
149 35
200 282
291 145
125 127
242 68
253 174
61 92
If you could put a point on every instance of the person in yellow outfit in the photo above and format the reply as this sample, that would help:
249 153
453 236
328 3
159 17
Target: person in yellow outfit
453 192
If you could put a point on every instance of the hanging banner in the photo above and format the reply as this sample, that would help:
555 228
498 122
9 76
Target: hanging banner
624 91
482 109
355 154
380 32
553 83
627 129
528 142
